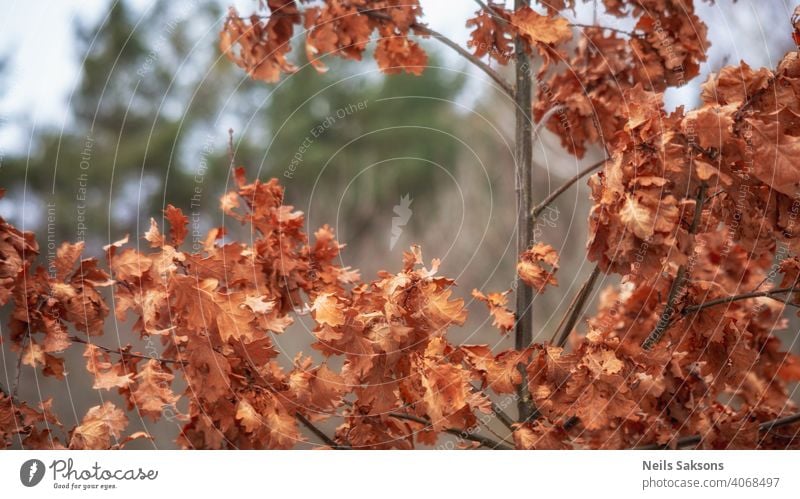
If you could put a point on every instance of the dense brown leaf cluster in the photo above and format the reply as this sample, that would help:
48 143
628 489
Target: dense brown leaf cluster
665 49
740 145
400 382
691 209
260 44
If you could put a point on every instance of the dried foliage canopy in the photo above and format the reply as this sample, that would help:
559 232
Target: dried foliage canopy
690 208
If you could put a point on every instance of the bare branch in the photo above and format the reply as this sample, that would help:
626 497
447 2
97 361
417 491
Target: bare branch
78 339
18 373
523 166
544 119
744 296
575 309
463 434
537 210
501 415
696 439
319 433
606 28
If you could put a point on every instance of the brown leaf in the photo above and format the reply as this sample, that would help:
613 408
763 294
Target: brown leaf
152 392
503 317
99 426
107 375
531 270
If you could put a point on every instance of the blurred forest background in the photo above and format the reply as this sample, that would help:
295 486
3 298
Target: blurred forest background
386 161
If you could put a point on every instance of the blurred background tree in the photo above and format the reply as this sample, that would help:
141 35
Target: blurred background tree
151 115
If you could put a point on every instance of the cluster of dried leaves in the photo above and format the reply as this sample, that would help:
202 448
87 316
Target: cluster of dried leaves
260 44
690 209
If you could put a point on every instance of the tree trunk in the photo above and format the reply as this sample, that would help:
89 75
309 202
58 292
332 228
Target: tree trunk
523 159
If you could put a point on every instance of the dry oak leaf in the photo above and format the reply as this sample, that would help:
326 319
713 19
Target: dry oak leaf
734 84
178 225
446 391
540 30
268 421
66 257
320 388
154 235
33 355
247 415
531 270
439 310
268 315
262 46
207 372
130 264
234 319
100 424
327 310
106 374
503 317
638 218
789 369
397 53
603 362
492 34
778 154
152 392
335 29
500 372
539 436
57 339
713 126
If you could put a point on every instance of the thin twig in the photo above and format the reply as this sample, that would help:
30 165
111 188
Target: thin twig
231 159
729 299
27 339
464 434
78 339
537 210
319 433
606 28
743 296
544 119
15 388
490 10
500 438
575 309
453 431
664 320
696 439
501 415
776 423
